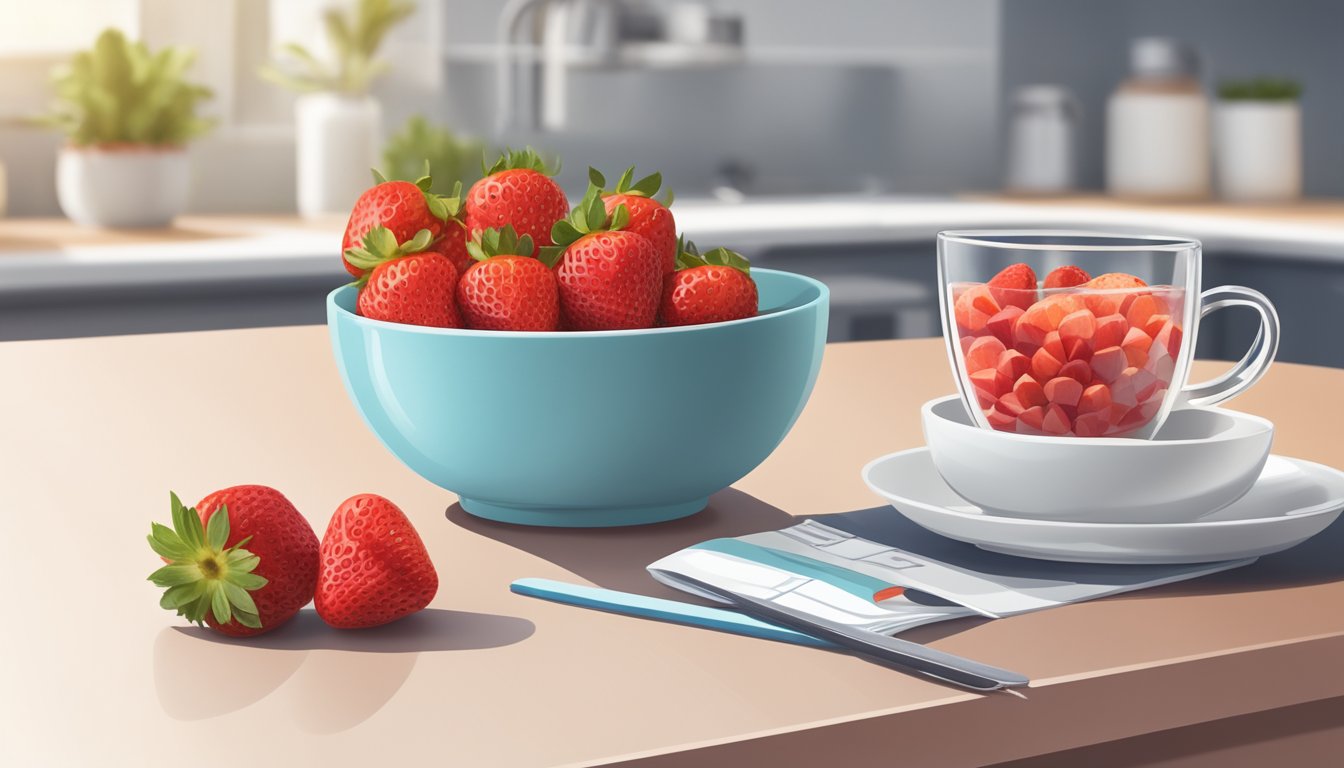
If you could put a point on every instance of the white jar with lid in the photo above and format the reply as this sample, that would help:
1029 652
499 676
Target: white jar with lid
1042 141
1157 125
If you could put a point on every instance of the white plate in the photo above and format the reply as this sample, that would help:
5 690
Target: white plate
1292 501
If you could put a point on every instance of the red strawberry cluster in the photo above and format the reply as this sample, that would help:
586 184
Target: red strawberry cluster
244 561
1082 356
512 256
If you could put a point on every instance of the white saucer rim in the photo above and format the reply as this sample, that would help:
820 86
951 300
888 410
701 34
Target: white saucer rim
1306 512
926 412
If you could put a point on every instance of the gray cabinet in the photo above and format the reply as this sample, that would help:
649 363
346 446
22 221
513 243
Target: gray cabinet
1309 297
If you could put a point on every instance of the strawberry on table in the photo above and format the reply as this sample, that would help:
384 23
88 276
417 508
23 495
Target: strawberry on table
507 289
405 208
404 282
609 278
648 217
708 288
243 560
516 191
375 568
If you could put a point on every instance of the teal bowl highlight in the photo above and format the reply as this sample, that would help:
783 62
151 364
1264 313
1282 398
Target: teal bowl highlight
587 429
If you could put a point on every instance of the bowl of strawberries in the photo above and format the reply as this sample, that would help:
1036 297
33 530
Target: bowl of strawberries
567 367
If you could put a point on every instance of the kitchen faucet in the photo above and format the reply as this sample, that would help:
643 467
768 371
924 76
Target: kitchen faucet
600 34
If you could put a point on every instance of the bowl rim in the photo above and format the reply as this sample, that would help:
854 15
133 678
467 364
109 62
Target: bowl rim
992 238
823 295
1265 425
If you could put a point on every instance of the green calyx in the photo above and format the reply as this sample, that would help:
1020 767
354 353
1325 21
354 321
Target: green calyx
520 159
689 256
645 187
493 242
589 216
381 246
202 577
445 208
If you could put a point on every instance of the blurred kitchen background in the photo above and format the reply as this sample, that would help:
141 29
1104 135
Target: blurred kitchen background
833 139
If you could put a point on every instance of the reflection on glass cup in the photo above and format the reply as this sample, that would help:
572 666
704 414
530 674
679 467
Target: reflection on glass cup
1106 358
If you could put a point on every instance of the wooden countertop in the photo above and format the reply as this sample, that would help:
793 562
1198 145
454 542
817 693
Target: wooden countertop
98 430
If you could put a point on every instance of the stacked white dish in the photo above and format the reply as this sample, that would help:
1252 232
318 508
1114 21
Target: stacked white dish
1205 488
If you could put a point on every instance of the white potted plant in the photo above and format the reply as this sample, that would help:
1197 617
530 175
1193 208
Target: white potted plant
128 114
337 122
1258 143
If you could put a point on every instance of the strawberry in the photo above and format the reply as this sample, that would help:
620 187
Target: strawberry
1014 285
375 568
1112 280
708 289
609 278
648 217
1066 277
405 283
210 577
506 289
517 191
405 208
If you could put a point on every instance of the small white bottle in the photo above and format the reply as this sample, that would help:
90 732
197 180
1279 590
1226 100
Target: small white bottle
1157 126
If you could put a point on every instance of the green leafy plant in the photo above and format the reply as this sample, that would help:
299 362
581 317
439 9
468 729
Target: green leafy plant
119 92
455 160
355 36
1260 89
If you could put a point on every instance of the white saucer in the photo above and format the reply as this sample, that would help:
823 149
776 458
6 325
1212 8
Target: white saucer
1291 501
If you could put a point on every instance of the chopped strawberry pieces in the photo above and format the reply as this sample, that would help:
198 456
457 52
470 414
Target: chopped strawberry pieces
1143 308
1135 345
983 353
1096 398
1093 362
1033 419
1110 331
1045 366
1029 392
991 382
1013 364
1063 390
1003 323
1108 363
1078 370
1056 421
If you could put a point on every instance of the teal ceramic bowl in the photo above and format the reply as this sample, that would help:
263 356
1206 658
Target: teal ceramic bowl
586 429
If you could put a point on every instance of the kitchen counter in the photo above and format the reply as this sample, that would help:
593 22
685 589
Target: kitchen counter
98 430
38 255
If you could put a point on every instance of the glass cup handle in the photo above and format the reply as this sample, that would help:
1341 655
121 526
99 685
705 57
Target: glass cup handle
1253 365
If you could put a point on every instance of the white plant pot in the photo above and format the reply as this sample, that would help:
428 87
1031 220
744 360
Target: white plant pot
338 139
1259 150
132 186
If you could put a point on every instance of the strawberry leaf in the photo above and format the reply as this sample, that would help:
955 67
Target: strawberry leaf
596 178
619 218
378 177
525 158
623 184
202 578
500 242
550 254
647 186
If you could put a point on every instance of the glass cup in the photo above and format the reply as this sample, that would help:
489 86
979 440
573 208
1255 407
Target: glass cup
1106 358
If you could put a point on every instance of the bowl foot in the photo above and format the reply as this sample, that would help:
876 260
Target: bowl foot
581 517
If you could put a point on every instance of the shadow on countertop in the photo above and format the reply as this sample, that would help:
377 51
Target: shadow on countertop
615 558
430 630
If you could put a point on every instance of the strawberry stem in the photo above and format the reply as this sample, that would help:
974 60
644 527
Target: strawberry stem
202 576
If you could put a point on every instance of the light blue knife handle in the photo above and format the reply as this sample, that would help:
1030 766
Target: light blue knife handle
661 610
